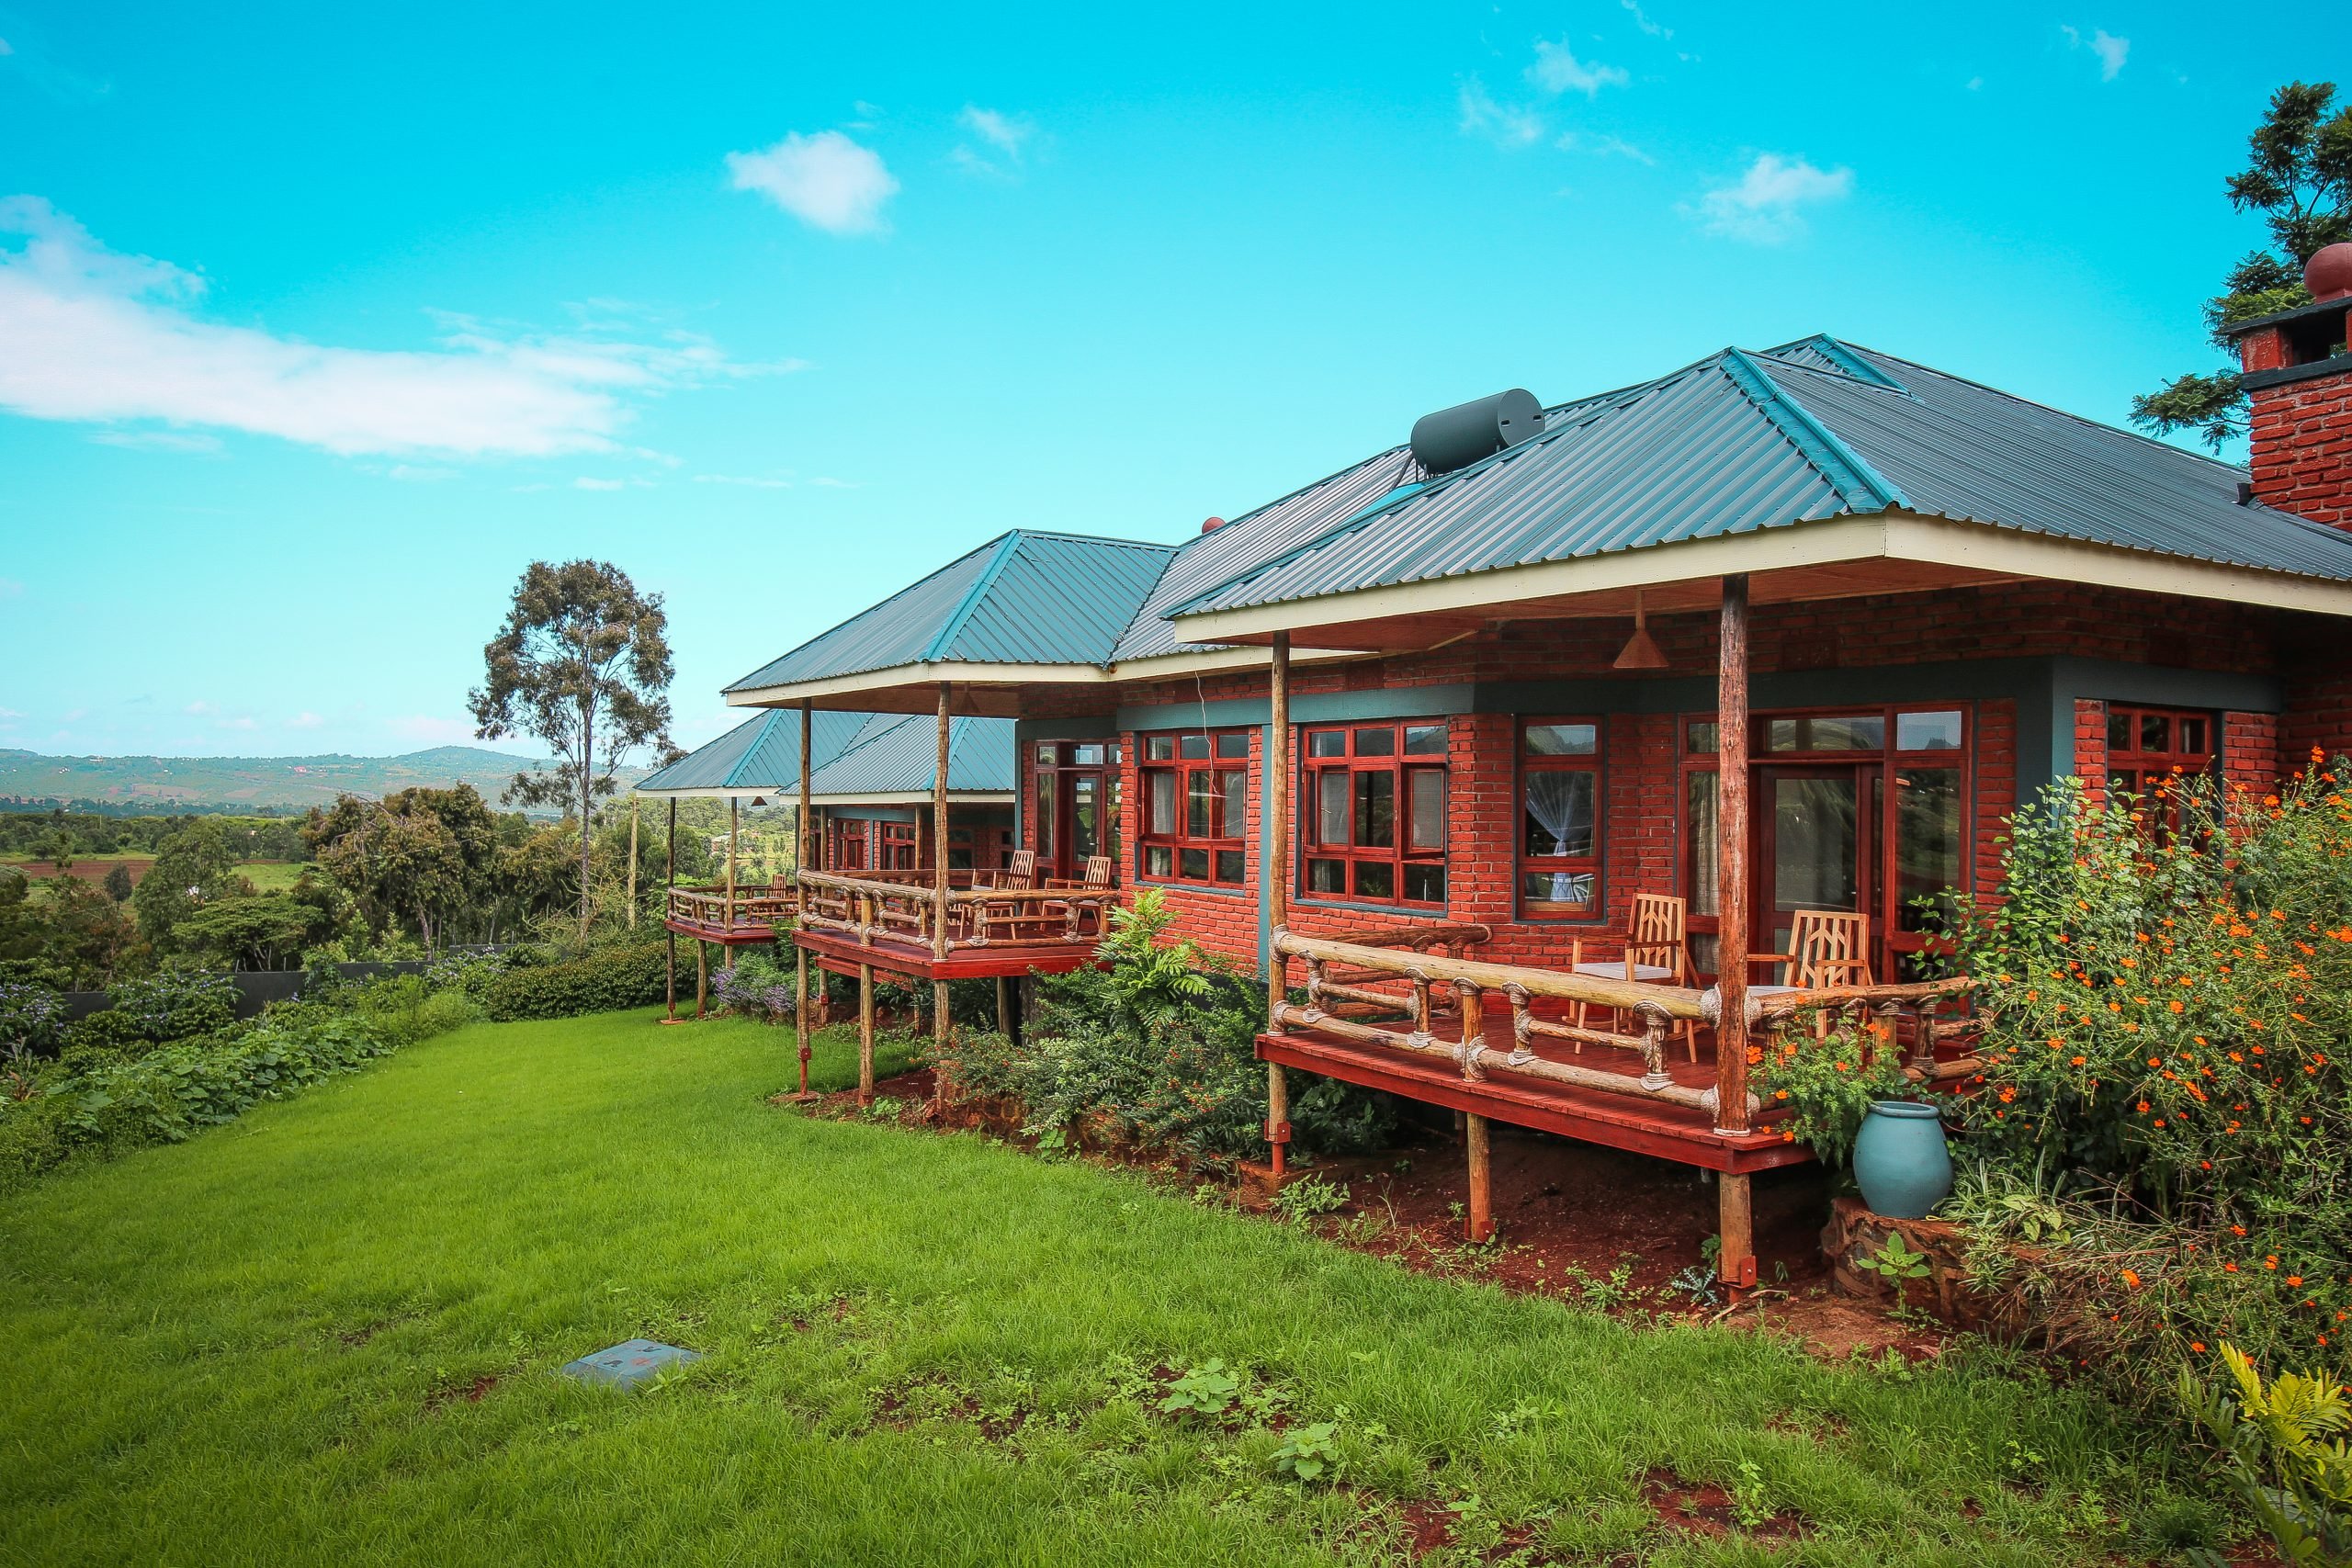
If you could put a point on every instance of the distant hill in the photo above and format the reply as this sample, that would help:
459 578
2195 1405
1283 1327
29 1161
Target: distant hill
253 783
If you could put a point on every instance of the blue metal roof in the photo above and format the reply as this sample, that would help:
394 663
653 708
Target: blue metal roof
1022 598
1815 429
852 754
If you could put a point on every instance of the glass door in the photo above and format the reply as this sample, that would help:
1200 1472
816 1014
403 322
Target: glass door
1814 849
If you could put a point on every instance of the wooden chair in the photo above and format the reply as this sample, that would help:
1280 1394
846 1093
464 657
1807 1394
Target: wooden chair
1097 880
1827 947
1657 952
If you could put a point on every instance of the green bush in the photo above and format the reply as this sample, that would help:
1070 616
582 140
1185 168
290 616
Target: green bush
601 982
177 1004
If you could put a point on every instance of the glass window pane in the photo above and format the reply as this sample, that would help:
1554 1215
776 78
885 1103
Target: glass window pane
1045 753
1233 820
1159 748
1192 746
1425 881
2155 732
1701 741
1118 753
1381 743
1085 793
1193 865
1562 740
1426 798
1856 732
1926 838
1927 732
1159 860
1326 877
1780 735
1327 743
1046 815
2192 737
1200 802
2119 729
1234 743
1330 807
1228 865
1559 813
1160 787
1086 756
1425 740
1814 843
1572 889
1375 879
1111 819
1375 810
1706 846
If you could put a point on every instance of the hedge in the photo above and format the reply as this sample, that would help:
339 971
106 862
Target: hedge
601 982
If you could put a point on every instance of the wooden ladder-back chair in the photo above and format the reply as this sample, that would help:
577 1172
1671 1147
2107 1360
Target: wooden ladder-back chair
1020 874
1827 947
1096 880
1657 952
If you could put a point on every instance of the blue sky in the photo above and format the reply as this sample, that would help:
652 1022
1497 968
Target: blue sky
317 326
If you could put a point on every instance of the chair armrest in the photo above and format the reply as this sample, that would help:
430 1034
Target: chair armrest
1771 958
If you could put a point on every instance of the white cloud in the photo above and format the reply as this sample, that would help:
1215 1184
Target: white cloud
240 722
158 440
1506 125
199 705
828 482
1765 207
11 589
4 47
1977 83
306 719
2111 50
750 482
412 473
1003 131
1641 20
1557 70
1602 146
826 180
89 334
585 483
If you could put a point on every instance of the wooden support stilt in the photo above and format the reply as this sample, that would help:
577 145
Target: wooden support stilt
632 862
702 977
1480 1224
1003 1007
670 938
733 808
1736 1262
1273 813
669 978
803 1026
866 1034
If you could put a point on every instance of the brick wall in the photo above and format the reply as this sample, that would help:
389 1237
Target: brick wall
1996 786
2090 744
2318 717
2301 446
2250 749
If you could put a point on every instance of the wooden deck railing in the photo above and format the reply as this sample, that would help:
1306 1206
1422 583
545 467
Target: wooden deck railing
874 906
1343 997
746 911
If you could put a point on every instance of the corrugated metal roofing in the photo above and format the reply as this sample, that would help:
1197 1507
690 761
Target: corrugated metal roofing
1022 598
1811 430
852 754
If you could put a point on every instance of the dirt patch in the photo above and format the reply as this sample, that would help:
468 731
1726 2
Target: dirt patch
86 870
471 1393
1704 1508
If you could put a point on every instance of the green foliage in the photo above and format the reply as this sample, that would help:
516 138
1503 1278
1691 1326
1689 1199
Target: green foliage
193 867
1894 1261
2283 1450
419 856
600 982
1828 1081
32 1019
1208 1391
117 884
2299 177
1302 1199
268 930
755 984
157 1010
1309 1453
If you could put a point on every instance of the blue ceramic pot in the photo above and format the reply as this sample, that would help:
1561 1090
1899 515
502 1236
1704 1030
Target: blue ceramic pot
1900 1162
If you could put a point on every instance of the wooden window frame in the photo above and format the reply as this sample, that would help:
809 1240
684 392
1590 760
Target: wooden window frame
2148 775
1164 855
1053 765
1398 856
1596 908
892 838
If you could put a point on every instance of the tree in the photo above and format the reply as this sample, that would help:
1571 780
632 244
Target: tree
117 883
2299 177
582 664
251 933
421 854
192 868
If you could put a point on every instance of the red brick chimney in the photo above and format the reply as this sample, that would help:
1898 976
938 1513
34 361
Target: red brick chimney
2299 383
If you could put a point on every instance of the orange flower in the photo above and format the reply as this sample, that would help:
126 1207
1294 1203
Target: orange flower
2131 1279
2197 1346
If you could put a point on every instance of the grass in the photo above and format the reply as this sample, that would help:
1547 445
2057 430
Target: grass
329 1332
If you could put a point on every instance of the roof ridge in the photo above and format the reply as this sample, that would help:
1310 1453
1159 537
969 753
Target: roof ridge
751 747
1008 547
1846 470
737 685
1850 366
1095 539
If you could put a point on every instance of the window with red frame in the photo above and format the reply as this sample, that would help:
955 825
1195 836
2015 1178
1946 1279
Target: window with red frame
1196 806
2148 749
1559 841
898 848
1373 825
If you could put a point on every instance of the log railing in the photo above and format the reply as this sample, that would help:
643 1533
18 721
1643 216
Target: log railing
745 911
1353 985
875 907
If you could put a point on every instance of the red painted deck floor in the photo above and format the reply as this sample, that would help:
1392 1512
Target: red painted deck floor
1619 1121
843 956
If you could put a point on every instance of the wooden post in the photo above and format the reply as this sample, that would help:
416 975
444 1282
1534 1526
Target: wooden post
939 872
702 975
1480 1224
800 1022
1003 1008
866 1034
632 861
733 808
670 873
1736 1260
1273 818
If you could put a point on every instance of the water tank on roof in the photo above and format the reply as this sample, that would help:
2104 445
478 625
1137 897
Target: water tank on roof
1456 437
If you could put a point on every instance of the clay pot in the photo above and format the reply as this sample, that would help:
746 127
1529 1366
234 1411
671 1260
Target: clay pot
1900 1161
2328 274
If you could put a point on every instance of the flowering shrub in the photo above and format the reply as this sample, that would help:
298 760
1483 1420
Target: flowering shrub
1828 1081
756 986
176 1004
2166 991
32 1019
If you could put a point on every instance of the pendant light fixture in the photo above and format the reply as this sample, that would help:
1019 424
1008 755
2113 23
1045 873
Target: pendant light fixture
1641 651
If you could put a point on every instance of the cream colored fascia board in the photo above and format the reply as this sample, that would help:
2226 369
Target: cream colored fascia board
1892 536
789 794
1158 667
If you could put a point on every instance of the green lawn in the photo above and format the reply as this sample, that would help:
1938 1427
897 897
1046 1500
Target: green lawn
258 1347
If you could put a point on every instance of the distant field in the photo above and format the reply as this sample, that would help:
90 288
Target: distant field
270 876
267 875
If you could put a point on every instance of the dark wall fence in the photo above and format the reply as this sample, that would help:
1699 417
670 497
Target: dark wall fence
256 988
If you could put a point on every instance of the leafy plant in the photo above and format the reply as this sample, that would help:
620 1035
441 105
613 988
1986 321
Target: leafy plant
2284 1453
1309 1453
756 986
1828 1081
1697 1282
1208 1389
601 982
1894 1261
1308 1197
1751 1504
32 1019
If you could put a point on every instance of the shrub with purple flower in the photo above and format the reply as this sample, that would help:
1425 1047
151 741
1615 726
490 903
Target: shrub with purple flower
756 986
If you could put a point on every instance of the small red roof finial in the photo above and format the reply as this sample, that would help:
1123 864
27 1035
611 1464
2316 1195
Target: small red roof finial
2328 274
